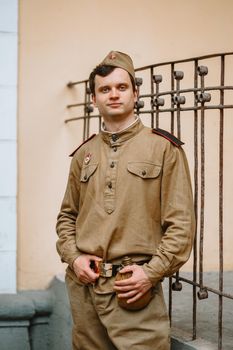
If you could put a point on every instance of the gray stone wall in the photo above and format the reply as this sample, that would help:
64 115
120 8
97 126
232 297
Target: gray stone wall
41 320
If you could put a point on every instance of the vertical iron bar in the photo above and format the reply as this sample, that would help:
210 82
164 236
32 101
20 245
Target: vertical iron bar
170 300
178 109
221 131
85 113
100 123
202 214
157 107
172 103
195 204
88 97
172 131
84 128
152 94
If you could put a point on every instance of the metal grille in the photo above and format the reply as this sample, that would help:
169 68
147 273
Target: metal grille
166 100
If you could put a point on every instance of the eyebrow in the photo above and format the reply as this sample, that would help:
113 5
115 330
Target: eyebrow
108 85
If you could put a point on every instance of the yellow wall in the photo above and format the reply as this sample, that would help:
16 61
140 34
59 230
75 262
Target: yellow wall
63 40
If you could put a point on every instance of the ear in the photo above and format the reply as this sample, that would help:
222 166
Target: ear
136 94
93 99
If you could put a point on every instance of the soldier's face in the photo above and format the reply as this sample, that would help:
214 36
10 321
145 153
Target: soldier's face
114 95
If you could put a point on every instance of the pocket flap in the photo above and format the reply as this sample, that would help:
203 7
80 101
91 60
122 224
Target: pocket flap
144 169
87 171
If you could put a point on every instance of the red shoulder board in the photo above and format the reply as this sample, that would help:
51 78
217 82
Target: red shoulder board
91 137
174 140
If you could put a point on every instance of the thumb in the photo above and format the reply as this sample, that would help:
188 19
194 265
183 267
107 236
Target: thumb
127 269
96 258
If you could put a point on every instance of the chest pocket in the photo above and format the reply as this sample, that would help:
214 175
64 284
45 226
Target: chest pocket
87 171
145 170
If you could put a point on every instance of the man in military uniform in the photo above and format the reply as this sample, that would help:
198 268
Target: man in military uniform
128 194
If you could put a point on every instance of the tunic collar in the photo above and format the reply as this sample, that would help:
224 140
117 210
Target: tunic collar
117 138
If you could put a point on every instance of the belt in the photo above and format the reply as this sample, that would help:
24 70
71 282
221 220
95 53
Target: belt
108 269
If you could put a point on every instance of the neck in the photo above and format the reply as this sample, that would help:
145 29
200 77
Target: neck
118 125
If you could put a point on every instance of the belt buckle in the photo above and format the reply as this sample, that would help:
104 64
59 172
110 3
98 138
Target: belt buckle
105 269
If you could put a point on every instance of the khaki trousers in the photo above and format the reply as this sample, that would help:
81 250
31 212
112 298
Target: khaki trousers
100 324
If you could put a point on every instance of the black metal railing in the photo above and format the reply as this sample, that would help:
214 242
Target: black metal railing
166 100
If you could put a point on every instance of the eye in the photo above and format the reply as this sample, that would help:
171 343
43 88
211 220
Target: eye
122 87
105 89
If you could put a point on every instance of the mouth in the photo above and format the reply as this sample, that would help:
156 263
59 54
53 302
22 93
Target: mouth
114 105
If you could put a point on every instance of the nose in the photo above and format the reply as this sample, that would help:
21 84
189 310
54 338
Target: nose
114 93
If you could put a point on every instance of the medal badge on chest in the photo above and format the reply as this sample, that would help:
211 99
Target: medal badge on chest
87 159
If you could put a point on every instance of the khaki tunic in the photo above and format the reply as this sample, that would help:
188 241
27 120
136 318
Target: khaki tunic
128 193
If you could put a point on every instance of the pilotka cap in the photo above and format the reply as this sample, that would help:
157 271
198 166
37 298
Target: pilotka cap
119 60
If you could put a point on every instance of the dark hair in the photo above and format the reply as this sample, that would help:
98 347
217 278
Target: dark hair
103 71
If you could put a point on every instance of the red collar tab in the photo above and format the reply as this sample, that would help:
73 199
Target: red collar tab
91 137
174 140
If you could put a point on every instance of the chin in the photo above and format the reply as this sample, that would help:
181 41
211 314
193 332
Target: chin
115 113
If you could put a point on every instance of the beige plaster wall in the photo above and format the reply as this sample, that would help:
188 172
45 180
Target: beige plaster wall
63 40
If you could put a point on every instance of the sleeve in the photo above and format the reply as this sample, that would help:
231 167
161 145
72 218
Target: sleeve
66 220
177 217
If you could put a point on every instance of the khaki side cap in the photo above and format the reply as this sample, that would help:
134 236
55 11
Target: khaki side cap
120 60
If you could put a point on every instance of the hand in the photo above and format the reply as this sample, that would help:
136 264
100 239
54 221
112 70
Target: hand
81 266
135 286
